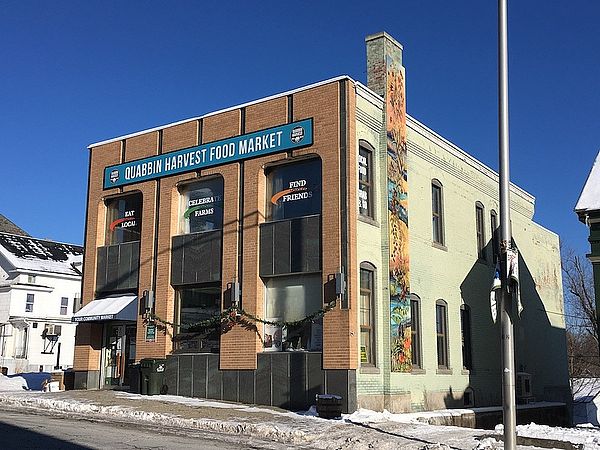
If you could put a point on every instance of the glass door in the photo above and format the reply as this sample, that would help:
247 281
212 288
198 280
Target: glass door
114 355
130 331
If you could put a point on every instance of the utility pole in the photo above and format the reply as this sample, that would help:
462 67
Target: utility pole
509 409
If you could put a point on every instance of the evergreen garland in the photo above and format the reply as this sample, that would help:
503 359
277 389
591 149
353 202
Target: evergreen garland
236 316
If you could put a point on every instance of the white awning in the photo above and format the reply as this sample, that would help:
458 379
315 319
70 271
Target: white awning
108 308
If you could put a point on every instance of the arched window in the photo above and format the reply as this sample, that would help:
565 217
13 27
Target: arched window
437 212
441 327
468 398
201 206
415 331
124 218
367 314
495 237
480 231
465 332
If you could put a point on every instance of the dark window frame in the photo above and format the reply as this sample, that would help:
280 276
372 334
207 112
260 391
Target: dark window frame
184 188
370 327
415 331
441 328
437 214
281 221
368 184
495 240
298 336
480 230
29 302
113 237
184 335
287 214
465 333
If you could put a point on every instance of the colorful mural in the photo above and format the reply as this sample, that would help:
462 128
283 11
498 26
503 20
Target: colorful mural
400 324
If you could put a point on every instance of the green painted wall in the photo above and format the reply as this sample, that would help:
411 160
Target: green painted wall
454 274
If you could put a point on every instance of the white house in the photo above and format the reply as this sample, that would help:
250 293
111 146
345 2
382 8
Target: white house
586 401
40 285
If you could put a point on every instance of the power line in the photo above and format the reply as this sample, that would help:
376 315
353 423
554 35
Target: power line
563 314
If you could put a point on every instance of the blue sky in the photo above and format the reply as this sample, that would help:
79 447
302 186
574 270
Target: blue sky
74 73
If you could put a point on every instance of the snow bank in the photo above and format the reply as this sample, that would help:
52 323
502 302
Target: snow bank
314 432
365 416
189 401
277 432
588 436
11 384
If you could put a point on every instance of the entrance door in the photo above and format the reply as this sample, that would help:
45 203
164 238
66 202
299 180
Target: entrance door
114 355
130 331
118 353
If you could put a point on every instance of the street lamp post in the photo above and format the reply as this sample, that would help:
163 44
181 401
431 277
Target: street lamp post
509 409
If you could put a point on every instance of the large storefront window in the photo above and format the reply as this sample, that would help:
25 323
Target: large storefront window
290 299
124 219
294 190
196 251
202 206
196 305
290 244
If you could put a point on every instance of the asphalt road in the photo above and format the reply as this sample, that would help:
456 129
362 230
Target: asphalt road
26 429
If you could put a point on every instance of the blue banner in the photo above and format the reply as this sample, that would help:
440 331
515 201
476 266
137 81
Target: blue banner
273 140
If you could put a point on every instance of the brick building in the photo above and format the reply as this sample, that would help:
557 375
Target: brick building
294 209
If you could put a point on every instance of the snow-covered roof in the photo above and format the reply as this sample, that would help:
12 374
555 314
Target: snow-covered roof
40 255
589 200
8 226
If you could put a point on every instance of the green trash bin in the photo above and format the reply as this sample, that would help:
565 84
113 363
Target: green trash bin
153 371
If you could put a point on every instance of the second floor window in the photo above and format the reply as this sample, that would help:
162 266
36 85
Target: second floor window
29 303
365 182
202 206
294 190
64 306
479 227
495 237
124 219
437 219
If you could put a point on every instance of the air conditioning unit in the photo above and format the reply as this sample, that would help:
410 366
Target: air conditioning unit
51 330
524 391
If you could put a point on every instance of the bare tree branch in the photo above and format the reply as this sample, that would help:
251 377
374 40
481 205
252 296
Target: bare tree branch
583 327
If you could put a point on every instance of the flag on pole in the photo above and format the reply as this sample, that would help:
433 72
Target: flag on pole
512 255
496 285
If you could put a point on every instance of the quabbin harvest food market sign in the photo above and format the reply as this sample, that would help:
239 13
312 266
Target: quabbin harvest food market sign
273 140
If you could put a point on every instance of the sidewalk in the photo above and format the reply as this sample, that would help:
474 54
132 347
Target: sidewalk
267 423
361 430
